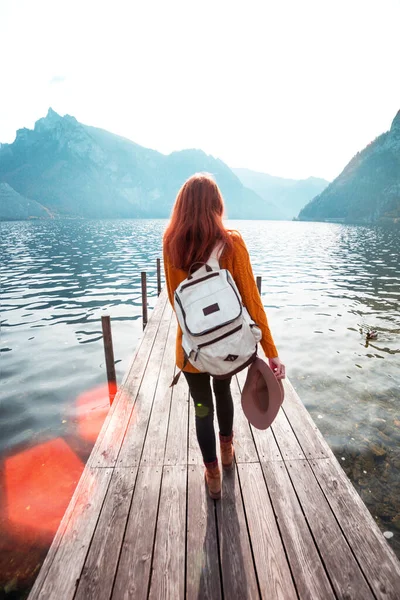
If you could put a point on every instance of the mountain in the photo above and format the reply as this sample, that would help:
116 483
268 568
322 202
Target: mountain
76 170
291 195
368 189
14 206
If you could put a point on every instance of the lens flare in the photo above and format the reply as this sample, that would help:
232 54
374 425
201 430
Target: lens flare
39 483
91 409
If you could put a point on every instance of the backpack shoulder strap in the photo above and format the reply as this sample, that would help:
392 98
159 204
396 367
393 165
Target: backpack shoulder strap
215 255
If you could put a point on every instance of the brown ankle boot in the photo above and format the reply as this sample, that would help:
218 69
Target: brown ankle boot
227 451
213 479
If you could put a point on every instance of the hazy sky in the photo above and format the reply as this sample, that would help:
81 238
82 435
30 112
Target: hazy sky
290 87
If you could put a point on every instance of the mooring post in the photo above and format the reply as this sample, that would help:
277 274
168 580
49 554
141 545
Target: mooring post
158 276
259 284
144 299
109 354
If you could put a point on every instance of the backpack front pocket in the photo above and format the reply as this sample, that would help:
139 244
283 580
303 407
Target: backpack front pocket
210 313
225 353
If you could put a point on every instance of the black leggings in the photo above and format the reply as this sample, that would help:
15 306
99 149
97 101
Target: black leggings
200 390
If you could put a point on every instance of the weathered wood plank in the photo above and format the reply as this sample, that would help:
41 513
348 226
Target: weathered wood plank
133 574
376 558
168 573
344 572
132 445
274 577
245 449
288 445
202 571
154 444
307 569
176 451
101 562
309 436
161 311
238 572
108 443
266 445
64 562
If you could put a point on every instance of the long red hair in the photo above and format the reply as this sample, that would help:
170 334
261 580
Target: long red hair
196 223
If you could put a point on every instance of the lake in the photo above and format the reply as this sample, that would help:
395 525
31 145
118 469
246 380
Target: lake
324 286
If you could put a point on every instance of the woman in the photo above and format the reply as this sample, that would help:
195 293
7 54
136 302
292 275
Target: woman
195 228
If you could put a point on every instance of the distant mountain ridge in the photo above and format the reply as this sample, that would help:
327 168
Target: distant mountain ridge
76 170
368 189
290 195
12 203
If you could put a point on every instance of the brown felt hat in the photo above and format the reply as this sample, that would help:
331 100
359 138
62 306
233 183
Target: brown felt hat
262 395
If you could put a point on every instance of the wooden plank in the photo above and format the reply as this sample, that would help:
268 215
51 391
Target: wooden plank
245 450
202 571
274 576
289 447
132 445
133 574
168 573
150 332
176 451
266 445
309 436
376 558
101 562
137 364
43 573
238 572
344 572
64 562
108 443
154 445
307 569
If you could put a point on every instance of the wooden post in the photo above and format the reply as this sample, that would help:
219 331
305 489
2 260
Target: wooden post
259 284
109 354
144 299
158 276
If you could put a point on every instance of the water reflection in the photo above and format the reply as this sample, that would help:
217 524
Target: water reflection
324 286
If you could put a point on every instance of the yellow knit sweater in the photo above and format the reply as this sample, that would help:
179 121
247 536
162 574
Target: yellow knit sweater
238 264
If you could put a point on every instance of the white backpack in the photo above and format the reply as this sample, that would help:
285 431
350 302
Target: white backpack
218 335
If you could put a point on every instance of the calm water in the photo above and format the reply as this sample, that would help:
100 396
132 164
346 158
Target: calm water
324 286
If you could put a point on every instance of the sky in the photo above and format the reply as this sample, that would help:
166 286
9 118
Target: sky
287 87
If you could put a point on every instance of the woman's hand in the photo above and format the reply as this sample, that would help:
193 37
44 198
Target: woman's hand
277 367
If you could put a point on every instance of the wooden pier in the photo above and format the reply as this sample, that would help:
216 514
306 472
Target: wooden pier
141 525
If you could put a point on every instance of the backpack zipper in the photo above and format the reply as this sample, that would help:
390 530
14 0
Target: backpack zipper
198 280
218 339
